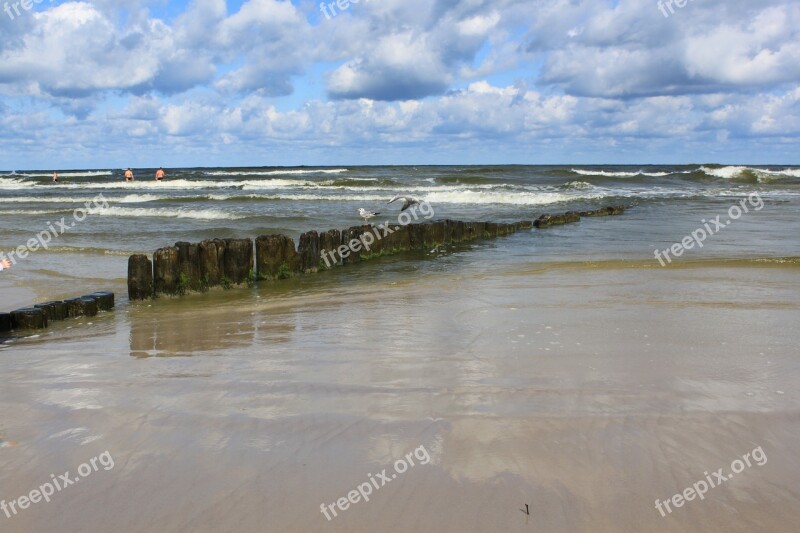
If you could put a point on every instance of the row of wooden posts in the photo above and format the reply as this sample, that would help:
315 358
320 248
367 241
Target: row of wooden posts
196 267
39 316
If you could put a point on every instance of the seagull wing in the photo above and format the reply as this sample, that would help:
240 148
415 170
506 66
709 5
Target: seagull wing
409 202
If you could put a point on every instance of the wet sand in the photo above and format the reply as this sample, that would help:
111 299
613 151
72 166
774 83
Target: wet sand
586 393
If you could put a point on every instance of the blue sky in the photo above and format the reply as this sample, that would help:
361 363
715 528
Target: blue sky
111 84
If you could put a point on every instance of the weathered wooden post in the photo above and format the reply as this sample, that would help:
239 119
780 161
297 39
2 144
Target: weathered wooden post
524 224
83 306
28 318
308 248
104 300
189 265
212 263
5 322
89 305
351 240
433 233
238 262
371 242
329 243
166 272
49 311
140 277
59 310
546 221
397 241
416 236
276 257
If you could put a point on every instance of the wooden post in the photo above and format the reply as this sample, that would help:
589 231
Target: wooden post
140 277
166 272
28 318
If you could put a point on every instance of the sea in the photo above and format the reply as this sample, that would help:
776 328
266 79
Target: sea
667 202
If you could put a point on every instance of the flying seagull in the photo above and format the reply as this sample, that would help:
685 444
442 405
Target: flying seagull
366 215
408 201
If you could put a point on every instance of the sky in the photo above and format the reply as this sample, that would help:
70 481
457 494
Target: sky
118 83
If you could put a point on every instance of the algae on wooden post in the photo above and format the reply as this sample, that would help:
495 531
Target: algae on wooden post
276 255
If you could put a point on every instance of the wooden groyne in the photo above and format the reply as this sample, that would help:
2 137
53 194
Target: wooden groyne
187 267
39 316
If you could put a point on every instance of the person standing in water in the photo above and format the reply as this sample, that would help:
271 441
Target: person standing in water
129 175
55 177
159 174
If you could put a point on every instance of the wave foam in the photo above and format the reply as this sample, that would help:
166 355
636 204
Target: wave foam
620 174
724 172
578 185
731 172
87 174
273 172
178 184
46 200
512 198
163 212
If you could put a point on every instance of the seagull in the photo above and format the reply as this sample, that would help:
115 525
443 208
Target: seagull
366 215
408 201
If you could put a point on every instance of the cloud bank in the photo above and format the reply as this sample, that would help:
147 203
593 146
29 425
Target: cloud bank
391 81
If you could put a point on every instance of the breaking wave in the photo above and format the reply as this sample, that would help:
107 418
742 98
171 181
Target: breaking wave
741 172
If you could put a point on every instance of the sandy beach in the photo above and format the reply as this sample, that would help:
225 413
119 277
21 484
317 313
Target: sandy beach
585 392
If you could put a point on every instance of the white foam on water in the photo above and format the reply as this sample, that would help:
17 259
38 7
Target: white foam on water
139 198
507 198
14 184
273 172
34 212
178 184
272 184
164 212
579 185
128 199
620 174
86 174
736 171
313 197
724 172
46 200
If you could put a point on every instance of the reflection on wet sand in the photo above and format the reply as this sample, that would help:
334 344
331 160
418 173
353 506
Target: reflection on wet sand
584 396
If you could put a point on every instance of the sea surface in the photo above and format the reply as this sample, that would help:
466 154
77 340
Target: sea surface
195 204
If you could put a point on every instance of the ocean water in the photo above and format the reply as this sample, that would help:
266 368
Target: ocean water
666 203
195 204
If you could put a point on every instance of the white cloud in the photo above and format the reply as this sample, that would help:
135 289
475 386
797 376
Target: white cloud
394 74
